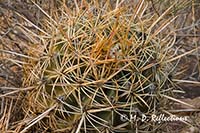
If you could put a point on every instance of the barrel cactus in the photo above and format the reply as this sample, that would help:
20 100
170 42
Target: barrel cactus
94 66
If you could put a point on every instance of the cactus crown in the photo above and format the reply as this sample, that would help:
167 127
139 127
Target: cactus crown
95 64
